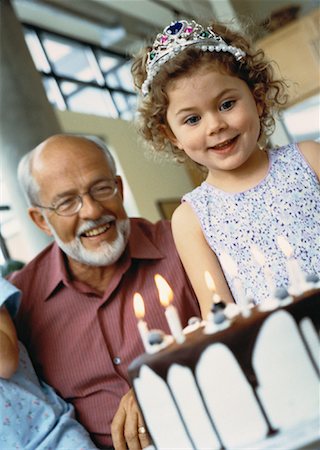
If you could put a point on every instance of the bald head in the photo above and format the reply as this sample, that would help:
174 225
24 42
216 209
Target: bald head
54 157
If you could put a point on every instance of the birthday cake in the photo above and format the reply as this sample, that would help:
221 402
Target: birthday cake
244 378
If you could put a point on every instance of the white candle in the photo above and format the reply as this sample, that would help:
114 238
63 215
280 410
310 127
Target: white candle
139 311
171 313
260 259
244 301
174 324
230 267
297 278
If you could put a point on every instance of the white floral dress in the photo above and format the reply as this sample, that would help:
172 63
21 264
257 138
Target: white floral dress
286 202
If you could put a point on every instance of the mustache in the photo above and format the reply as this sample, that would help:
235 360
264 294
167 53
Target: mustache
89 224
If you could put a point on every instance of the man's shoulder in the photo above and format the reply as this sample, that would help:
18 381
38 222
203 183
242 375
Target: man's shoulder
149 239
151 228
159 232
35 268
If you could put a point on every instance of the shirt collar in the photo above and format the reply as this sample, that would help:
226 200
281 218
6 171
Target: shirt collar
141 244
57 270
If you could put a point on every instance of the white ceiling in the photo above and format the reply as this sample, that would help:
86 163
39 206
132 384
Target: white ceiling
126 25
93 20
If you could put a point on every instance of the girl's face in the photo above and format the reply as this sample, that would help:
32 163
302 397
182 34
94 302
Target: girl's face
213 117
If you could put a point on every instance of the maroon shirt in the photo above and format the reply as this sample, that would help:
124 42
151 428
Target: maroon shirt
81 342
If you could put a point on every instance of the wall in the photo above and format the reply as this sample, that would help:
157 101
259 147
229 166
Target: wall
147 179
258 10
26 119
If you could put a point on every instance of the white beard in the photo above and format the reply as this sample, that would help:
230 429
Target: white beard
107 253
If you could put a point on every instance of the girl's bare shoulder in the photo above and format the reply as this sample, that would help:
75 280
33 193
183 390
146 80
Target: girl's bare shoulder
311 152
184 217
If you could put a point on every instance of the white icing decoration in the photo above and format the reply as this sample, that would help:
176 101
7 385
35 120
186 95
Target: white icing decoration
159 411
183 385
229 398
232 310
288 384
193 327
155 348
269 305
312 339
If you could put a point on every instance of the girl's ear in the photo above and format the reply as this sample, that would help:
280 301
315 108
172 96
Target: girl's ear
169 135
38 218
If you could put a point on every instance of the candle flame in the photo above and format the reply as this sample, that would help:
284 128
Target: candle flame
165 291
285 246
209 281
229 265
138 306
258 255
212 287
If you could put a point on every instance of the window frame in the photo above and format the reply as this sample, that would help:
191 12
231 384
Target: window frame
102 85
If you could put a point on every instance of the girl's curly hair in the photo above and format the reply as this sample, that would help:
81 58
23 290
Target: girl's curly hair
254 69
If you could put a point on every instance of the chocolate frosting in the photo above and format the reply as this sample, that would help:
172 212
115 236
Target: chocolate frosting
239 337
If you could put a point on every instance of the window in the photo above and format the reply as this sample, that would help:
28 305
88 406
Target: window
81 77
302 120
9 227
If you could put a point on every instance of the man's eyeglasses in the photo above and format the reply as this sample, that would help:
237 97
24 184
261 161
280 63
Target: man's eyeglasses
70 205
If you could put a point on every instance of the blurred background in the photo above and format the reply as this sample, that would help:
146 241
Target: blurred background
65 67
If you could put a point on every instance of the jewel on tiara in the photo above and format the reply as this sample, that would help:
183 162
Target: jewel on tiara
175 38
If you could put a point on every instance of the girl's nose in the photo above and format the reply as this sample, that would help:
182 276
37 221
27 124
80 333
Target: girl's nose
215 123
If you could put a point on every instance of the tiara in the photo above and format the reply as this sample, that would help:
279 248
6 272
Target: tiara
178 36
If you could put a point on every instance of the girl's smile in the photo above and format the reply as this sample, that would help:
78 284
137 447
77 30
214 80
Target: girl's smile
225 146
213 117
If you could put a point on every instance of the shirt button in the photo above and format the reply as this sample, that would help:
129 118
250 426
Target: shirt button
117 360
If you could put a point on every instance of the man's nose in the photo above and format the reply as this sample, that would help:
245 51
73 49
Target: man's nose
91 209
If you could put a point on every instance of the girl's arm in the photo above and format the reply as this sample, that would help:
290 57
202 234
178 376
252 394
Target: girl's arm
9 350
311 152
197 257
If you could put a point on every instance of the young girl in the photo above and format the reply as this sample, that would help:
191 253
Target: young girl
208 94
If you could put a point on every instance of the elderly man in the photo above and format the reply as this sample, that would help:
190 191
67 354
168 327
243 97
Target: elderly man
76 316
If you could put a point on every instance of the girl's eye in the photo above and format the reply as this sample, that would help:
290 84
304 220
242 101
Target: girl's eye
192 120
225 106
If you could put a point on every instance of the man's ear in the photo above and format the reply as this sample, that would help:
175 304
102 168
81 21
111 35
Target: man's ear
169 135
119 185
38 218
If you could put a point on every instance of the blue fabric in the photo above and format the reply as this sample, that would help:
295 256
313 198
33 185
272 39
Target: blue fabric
33 416
9 296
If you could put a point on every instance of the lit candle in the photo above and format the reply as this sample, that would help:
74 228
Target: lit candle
230 267
260 259
217 303
212 287
216 319
166 297
297 279
139 311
